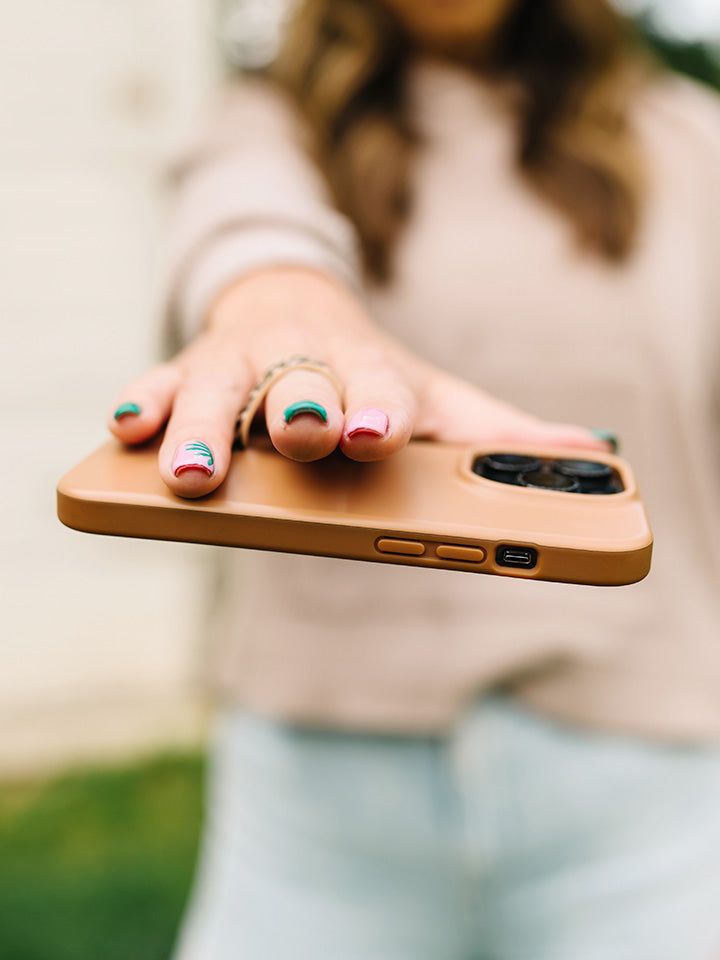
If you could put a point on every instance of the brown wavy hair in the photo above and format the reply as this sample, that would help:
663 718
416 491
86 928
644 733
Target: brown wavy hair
572 65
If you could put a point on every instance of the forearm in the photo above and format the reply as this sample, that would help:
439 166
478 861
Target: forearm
246 196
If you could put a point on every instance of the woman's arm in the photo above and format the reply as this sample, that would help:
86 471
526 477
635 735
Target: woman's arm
281 312
262 269
246 195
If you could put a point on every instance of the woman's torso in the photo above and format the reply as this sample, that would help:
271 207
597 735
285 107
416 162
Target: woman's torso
490 284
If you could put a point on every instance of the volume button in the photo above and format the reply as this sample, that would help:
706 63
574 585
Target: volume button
406 548
449 551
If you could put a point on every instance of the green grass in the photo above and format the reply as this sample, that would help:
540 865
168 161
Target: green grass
97 865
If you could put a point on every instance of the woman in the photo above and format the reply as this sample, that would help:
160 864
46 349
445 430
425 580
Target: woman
460 210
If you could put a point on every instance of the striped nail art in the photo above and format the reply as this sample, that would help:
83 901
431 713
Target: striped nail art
193 455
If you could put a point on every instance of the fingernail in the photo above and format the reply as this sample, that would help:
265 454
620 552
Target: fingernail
305 406
368 420
126 410
608 436
193 455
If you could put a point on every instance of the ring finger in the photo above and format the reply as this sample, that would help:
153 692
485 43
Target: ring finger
380 412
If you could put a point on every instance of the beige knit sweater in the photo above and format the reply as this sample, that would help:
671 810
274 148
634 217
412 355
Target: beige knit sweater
490 285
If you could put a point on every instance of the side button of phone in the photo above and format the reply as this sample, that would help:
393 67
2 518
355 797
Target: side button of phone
450 551
407 548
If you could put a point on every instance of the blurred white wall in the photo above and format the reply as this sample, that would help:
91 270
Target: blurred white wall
98 637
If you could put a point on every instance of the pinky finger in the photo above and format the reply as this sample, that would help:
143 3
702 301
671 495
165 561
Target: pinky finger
144 404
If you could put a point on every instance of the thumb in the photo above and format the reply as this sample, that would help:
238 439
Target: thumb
567 435
457 412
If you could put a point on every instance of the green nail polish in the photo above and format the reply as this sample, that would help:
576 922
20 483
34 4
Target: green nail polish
609 437
125 410
305 406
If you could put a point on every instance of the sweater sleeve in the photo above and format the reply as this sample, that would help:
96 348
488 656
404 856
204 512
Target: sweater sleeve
247 195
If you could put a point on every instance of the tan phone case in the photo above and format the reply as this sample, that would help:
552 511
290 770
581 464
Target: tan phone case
424 506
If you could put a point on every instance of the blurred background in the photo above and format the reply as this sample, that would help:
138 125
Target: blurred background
102 710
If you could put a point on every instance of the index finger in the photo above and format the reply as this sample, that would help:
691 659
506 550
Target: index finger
196 450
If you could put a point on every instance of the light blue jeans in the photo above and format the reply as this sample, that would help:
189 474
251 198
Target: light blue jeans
513 838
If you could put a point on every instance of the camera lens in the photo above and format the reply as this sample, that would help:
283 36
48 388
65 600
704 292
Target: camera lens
549 480
583 469
505 467
594 477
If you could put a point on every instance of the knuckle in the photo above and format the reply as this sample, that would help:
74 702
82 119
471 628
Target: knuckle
290 332
206 381
363 352
201 427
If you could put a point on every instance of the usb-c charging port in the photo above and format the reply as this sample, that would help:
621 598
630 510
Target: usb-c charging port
524 558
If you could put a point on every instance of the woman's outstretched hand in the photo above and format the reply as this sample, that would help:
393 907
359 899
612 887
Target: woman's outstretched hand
390 395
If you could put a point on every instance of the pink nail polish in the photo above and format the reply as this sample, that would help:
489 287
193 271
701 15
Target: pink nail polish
193 455
368 420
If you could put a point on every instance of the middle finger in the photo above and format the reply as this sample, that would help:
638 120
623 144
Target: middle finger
304 415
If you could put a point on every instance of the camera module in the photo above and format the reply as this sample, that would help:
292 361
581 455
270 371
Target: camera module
593 477
549 480
505 467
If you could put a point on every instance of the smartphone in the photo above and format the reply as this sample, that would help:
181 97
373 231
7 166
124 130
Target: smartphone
541 514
